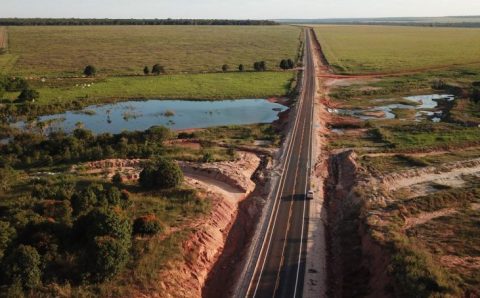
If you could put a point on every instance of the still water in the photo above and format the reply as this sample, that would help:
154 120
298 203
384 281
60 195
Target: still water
175 114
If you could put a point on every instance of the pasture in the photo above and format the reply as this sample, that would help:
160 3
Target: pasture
54 51
373 49
180 86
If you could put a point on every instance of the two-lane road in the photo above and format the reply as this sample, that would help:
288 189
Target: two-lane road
279 265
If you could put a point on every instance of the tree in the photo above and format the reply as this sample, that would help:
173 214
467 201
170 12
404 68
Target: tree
117 179
225 67
103 222
28 95
7 233
290 64
158 134
147 225
90 71
241 68
109 257
163 174
8 176
147 177
263 65
260 66
283 64
114 196
146 70
84 201
107 235
158 69
23 266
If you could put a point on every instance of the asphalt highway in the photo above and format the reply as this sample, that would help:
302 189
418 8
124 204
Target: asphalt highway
278 268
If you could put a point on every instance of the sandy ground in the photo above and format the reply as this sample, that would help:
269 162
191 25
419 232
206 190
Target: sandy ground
451 171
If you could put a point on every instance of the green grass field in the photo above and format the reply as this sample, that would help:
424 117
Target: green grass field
195 86
119 50
367 49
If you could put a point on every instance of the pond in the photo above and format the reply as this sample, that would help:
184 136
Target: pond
427 107
175 114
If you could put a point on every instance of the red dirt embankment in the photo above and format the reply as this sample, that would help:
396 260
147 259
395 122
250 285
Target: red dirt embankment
357 263
228 185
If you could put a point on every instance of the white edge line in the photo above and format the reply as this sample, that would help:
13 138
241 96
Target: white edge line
289 149
309 164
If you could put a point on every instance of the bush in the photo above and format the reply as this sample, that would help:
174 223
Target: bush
109 257
162 174
147 225
260 66
27 95
207 157
146 70
225 67
158 69
103 222
158 134
90 71
117 179
241 68
13 84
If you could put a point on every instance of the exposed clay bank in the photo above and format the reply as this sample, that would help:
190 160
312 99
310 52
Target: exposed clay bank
175 114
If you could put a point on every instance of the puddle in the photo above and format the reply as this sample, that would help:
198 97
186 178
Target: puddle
426 106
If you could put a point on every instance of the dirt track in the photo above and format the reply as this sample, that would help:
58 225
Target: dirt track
3 38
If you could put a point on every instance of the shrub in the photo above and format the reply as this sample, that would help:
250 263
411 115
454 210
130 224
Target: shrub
158 134
158 69
117 179
28 95
225 67
147 225
241 68
162 174
13 84
146 70
290 64
260 66
90 71
84 201
125 199
114 196
109 257
207 157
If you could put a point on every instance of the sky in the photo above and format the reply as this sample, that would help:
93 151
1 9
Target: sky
236 9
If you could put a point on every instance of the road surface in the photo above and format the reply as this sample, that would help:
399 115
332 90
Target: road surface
278 266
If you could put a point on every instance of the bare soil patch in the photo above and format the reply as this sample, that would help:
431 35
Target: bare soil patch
3 39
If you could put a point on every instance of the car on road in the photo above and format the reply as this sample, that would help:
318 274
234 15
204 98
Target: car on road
310 194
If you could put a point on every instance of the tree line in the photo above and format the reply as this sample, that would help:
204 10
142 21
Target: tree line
84 22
